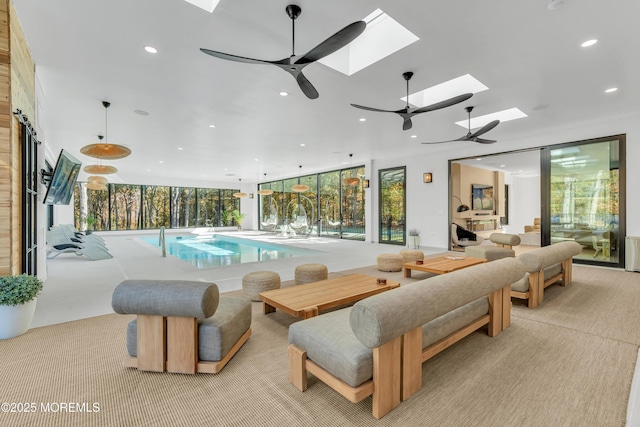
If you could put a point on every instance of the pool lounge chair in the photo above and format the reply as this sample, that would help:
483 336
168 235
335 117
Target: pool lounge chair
59 245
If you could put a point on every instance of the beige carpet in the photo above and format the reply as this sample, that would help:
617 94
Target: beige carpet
569 362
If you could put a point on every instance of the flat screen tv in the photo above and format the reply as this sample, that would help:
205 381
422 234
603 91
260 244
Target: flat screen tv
63 179
482 197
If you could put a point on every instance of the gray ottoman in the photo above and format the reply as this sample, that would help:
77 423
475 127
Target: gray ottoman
490 253
259 281
389 262
307 273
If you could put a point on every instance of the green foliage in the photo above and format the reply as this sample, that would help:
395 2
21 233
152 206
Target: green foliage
227 217
237 216
16 290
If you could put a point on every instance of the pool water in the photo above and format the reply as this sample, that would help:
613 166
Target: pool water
218 250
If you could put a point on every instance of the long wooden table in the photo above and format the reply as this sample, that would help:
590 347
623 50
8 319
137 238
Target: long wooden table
308 299
442 265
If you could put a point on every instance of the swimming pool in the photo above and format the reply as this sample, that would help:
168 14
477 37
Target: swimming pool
218 250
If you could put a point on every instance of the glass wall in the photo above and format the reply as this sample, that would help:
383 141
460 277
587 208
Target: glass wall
138 207
332 206
392 205
585 198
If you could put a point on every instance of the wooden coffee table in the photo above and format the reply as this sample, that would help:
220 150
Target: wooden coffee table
308 299
442 265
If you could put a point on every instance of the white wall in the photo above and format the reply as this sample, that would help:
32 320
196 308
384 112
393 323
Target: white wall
524 203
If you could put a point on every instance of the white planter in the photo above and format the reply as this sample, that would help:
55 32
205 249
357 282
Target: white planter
413 242
16 319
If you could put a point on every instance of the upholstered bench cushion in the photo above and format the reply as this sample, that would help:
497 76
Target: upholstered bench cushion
179 298
330 342
446 324
216 334
505 239
490 253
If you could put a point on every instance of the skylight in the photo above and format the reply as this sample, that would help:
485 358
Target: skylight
446 90
503 116
207 5
382 37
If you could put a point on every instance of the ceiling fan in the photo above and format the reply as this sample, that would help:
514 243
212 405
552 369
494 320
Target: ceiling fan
408 112
294 64
474 137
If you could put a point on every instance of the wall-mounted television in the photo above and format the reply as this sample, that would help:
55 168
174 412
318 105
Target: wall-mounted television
62 179
482 197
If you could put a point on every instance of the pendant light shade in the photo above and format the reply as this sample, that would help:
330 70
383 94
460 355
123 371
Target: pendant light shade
239 194
105 150
265 191
100 169
95 186
97 180
300 188
350 181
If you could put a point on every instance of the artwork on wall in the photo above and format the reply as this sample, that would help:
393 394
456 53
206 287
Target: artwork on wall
482 196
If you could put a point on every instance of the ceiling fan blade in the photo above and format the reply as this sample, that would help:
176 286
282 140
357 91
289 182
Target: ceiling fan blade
486 128
235 58
484 141
407 123
439 142
333 43
444 104
362 107
306 86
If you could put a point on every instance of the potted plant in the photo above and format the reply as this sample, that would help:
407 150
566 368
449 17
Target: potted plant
227 217
237 217
17 303
414 239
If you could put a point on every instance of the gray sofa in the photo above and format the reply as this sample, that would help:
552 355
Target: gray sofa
544 267
376 348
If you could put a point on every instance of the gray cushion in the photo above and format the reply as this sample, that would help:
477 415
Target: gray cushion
448 323
505 239
216 334
330 342
380 318
180 298
547 256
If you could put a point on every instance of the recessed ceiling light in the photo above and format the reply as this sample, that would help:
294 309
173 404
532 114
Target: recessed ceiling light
478 158
160 161
256 160
148 170
502 166
179 148
212 126
141 112
362 119
446 90
611 89
414 136
283 93
589 43
303 145
503 116
151 49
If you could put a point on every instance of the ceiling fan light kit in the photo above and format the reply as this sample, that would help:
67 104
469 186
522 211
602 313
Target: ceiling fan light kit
295 64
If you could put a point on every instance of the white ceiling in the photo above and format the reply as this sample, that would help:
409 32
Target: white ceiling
529 57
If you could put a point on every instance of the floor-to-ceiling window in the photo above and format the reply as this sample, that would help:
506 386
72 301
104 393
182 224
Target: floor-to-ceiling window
333 203
392 209
584 198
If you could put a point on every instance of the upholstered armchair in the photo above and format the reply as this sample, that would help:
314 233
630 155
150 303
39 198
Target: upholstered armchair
458 239
533 228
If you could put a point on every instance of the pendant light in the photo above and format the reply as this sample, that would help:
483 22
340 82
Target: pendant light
350 181
300 188
97 180
105 150
100 169
265 191
239 194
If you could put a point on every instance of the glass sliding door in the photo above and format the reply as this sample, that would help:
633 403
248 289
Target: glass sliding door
353 226
585 198
392 196
330 212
